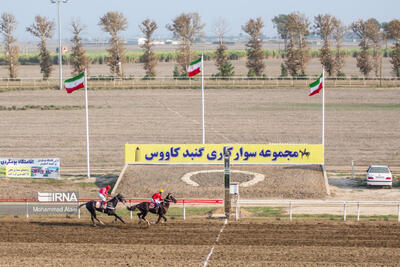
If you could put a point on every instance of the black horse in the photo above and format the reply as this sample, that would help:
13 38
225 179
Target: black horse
161 210
94 205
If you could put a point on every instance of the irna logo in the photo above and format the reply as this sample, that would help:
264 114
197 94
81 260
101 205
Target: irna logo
58 197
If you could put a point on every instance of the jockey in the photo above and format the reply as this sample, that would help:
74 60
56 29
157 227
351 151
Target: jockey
103 193
156 198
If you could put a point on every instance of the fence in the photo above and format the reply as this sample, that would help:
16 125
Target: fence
27 201
291 204
210 82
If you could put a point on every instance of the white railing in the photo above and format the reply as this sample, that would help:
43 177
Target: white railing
237 81
291 204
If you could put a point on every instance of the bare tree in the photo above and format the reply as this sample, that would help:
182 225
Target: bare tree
338 34
7 28
149 58
255 54
43 28
297 50
113 23
186 28
363 59
324 27
225 68
393 30
79 59
375 35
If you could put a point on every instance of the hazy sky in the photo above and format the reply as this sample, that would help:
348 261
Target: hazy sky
236 12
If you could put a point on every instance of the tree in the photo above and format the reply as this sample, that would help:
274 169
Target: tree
393 30
297 51
149 58
7 28
375 35
363 58
224 67
113 23
323 24
338 33
43 28
186 28
280 23
79 60
255 55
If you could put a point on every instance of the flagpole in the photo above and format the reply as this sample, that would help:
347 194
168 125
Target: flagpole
202 98
87 128
323 111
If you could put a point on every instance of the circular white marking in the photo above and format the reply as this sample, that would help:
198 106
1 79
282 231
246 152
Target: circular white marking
257 177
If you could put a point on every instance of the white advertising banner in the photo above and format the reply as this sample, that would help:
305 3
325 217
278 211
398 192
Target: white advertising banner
30 167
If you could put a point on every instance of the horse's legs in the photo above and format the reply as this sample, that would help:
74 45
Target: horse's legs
144 217
91 216
140 219
161 216
117 217
94 216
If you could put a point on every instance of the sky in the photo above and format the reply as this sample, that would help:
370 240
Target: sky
235 13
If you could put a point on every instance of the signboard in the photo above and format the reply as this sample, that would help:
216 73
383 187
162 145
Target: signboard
234 188
213 153
30 168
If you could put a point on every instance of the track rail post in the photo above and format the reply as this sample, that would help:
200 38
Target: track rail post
398 212
27 208
130 210
358 211
184 210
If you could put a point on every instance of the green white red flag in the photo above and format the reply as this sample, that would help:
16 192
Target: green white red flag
194 67
75 83
316 86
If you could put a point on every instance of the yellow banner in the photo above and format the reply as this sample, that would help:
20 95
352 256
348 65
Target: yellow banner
18 172
213 153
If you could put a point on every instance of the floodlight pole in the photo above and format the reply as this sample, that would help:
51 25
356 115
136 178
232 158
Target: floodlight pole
59 40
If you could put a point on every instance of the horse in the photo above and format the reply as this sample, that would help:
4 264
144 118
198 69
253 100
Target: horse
161 210
94 205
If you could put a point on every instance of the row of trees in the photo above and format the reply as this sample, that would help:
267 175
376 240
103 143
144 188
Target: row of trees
293 28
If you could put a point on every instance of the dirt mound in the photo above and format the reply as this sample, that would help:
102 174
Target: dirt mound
296 182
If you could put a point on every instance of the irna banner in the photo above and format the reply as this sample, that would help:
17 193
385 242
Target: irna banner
30 167
214 153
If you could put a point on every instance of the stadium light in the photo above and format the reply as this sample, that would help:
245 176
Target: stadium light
59 38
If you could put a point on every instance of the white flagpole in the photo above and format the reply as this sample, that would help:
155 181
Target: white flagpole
323 111
202 98
87 128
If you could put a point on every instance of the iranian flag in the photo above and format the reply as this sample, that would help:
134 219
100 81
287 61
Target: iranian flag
316 86
75 83
194 67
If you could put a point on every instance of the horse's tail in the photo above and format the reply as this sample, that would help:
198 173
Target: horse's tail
132 208
80 206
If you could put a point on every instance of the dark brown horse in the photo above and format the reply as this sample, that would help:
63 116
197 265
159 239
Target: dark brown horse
93 205
161 210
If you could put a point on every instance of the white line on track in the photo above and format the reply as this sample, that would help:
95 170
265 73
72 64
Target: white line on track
212 248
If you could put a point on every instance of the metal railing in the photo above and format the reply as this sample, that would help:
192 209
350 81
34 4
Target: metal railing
291 204
28 201
210 82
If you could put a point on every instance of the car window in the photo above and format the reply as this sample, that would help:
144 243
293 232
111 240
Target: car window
378 170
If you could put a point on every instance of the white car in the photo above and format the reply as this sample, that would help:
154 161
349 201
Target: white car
380 175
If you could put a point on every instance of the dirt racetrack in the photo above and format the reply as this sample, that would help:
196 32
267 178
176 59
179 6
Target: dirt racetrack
73 242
